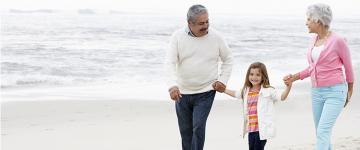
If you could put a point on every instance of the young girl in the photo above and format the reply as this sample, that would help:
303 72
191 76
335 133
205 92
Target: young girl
259 98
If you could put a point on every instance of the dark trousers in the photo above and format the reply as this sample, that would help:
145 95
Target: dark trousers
192 111
254 141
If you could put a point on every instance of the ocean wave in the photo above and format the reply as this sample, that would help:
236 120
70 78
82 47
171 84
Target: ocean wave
34 80
31 11
86 11
47 50
26 81
14 67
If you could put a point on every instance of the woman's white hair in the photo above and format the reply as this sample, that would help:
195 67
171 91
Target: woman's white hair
320 12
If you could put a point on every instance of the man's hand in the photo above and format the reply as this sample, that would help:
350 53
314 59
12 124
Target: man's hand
218 86
175 93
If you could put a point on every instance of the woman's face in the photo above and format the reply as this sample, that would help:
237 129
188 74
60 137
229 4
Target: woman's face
312 26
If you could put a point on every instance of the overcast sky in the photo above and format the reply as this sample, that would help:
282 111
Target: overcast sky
339 7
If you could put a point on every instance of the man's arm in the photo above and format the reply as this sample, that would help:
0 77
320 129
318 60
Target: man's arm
171 67
227 61
171 61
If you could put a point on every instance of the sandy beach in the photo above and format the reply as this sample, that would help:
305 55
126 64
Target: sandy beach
110 124
94 78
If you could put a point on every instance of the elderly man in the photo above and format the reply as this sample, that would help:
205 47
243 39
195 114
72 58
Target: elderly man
192 63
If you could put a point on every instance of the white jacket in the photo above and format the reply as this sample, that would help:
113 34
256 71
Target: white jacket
265 111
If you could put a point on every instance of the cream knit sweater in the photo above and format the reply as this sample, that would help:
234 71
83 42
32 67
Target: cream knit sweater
193 63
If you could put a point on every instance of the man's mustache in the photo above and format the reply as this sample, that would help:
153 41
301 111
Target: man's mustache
203 29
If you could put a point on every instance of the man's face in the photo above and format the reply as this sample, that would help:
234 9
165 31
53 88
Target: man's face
201 26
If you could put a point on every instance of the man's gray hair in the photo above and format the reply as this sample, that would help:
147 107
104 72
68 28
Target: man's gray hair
194 11
320 12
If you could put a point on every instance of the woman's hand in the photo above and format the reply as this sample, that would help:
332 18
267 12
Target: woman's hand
348 97
349 93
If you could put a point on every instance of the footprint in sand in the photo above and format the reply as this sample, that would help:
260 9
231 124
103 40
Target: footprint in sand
33 125
92 124
49 129
4 120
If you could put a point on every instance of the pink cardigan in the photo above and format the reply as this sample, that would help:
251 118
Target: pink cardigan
327 70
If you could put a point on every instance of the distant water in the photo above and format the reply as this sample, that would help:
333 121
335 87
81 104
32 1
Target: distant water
54 49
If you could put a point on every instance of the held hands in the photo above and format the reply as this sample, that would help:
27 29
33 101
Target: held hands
175 94
288 79
218 86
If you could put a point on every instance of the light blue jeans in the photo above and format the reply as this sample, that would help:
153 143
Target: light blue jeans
327 103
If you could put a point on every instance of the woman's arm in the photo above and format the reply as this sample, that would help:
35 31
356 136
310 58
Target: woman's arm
344 53
295 77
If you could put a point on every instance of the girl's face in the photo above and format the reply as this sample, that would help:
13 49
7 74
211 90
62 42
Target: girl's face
255 76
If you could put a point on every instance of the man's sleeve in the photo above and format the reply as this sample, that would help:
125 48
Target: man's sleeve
227 61
171 61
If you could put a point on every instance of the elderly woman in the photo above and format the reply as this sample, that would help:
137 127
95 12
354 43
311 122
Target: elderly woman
327 55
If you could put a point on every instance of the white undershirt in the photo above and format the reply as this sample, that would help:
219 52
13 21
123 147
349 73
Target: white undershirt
316 52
